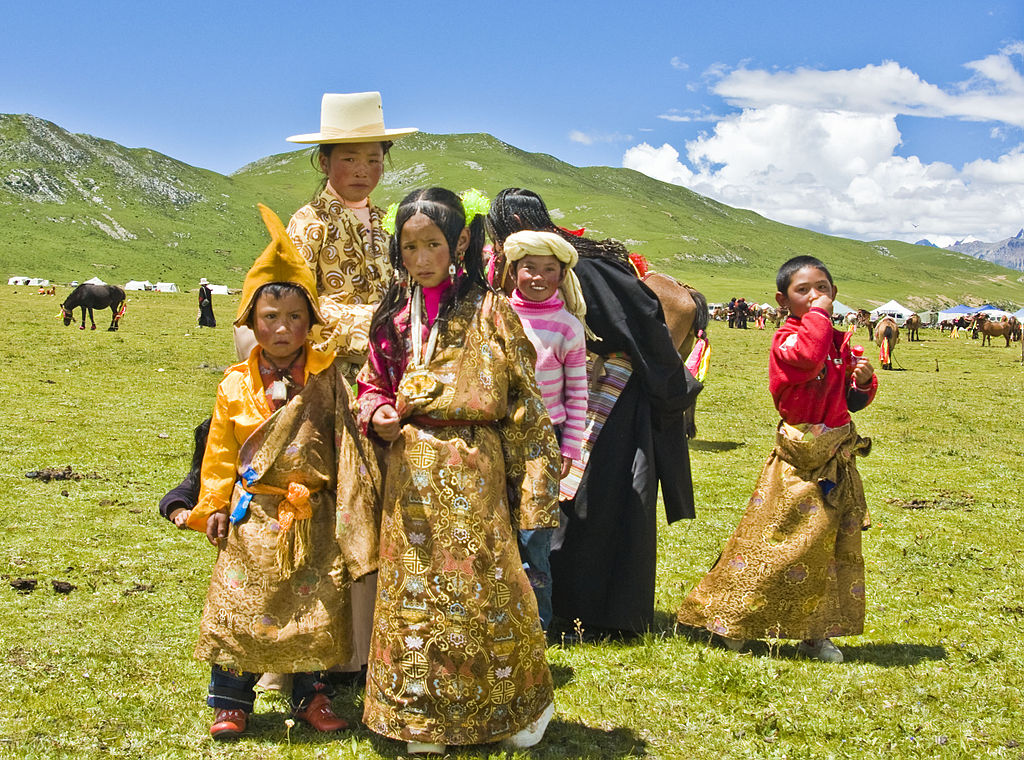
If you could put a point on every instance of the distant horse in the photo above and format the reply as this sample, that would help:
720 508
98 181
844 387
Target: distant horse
887 335
90 297
912 325
777 316
686 316
988 329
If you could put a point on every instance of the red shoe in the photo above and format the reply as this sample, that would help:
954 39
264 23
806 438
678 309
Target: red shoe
228 724
320 715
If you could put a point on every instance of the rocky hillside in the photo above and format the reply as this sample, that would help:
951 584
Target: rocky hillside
74 206
1008 253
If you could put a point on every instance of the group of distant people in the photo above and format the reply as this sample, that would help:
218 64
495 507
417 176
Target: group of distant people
496 476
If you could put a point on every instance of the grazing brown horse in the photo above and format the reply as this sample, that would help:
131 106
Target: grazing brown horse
89 297
912 325
990 329
686 316
887 335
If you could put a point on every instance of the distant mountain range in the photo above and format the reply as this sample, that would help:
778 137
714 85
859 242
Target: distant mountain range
1008 253
73 206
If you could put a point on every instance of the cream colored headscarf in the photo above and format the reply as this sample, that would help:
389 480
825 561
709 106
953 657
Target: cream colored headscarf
533 243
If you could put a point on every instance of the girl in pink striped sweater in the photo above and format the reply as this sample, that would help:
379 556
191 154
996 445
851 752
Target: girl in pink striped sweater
550 305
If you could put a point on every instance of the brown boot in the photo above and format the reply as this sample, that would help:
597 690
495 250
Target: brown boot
320 715
228 724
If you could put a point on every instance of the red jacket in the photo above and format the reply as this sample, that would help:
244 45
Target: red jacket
810 372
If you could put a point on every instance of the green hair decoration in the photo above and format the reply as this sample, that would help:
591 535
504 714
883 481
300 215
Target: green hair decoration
388 222
473 202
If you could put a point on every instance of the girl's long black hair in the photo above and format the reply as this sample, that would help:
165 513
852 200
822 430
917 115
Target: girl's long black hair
515 209
444 209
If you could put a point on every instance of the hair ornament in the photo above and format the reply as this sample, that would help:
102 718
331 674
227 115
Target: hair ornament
475 203
388 222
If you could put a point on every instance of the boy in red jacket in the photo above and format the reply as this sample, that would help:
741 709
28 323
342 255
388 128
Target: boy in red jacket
793 569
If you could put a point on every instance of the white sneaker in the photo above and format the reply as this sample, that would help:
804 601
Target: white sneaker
733 645
534 732
424 748
820 649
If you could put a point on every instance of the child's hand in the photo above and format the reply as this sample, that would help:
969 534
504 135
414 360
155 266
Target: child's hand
863 372
566 466
216 528
386 422
180 517
823 301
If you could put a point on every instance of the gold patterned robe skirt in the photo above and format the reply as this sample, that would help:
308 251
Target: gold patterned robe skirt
257 617
458 654
793 569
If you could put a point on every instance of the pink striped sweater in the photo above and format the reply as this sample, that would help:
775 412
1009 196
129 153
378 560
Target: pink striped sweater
561 364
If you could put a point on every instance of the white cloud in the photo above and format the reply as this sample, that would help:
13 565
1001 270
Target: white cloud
817 149
690 115
678 63
586 138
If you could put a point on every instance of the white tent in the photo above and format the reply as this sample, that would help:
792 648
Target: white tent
39 282
18 281
993 314
1019 314
955 312
840 309
220 290
138 285
891 309
166 287
94 281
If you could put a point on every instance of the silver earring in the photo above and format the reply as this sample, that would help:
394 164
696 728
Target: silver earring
451 270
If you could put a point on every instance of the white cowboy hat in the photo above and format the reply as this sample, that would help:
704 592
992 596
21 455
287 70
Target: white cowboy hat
203 281
349 118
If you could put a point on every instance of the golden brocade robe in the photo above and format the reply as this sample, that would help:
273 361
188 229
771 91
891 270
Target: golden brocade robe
458 654
793 568
259 617
352 272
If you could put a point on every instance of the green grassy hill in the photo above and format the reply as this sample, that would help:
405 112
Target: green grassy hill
73 206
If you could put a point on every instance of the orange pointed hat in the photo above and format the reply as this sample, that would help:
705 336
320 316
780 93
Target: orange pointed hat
279 262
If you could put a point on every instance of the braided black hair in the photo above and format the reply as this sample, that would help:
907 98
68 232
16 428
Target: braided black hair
444 209
515 209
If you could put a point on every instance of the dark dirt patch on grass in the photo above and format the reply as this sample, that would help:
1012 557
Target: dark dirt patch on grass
942 500
46 474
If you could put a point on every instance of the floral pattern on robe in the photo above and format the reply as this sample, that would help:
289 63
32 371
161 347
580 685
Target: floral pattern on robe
258 618
458 654
352 273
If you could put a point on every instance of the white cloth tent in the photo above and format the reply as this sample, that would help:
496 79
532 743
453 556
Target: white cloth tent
94 281
891 309
39 282
18 280
219 290
840 309
955 312
1019 314
993 314
166 287
138 285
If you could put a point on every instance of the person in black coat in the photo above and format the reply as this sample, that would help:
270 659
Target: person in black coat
206 318
603 574
178 502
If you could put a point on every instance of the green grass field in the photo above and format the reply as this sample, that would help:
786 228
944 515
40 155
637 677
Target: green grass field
106 670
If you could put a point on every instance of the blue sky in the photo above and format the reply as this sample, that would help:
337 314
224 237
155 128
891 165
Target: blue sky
870 120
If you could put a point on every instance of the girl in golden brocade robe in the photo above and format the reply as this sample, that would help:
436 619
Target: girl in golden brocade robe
458 654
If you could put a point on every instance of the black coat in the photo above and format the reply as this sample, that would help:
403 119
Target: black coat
604 573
